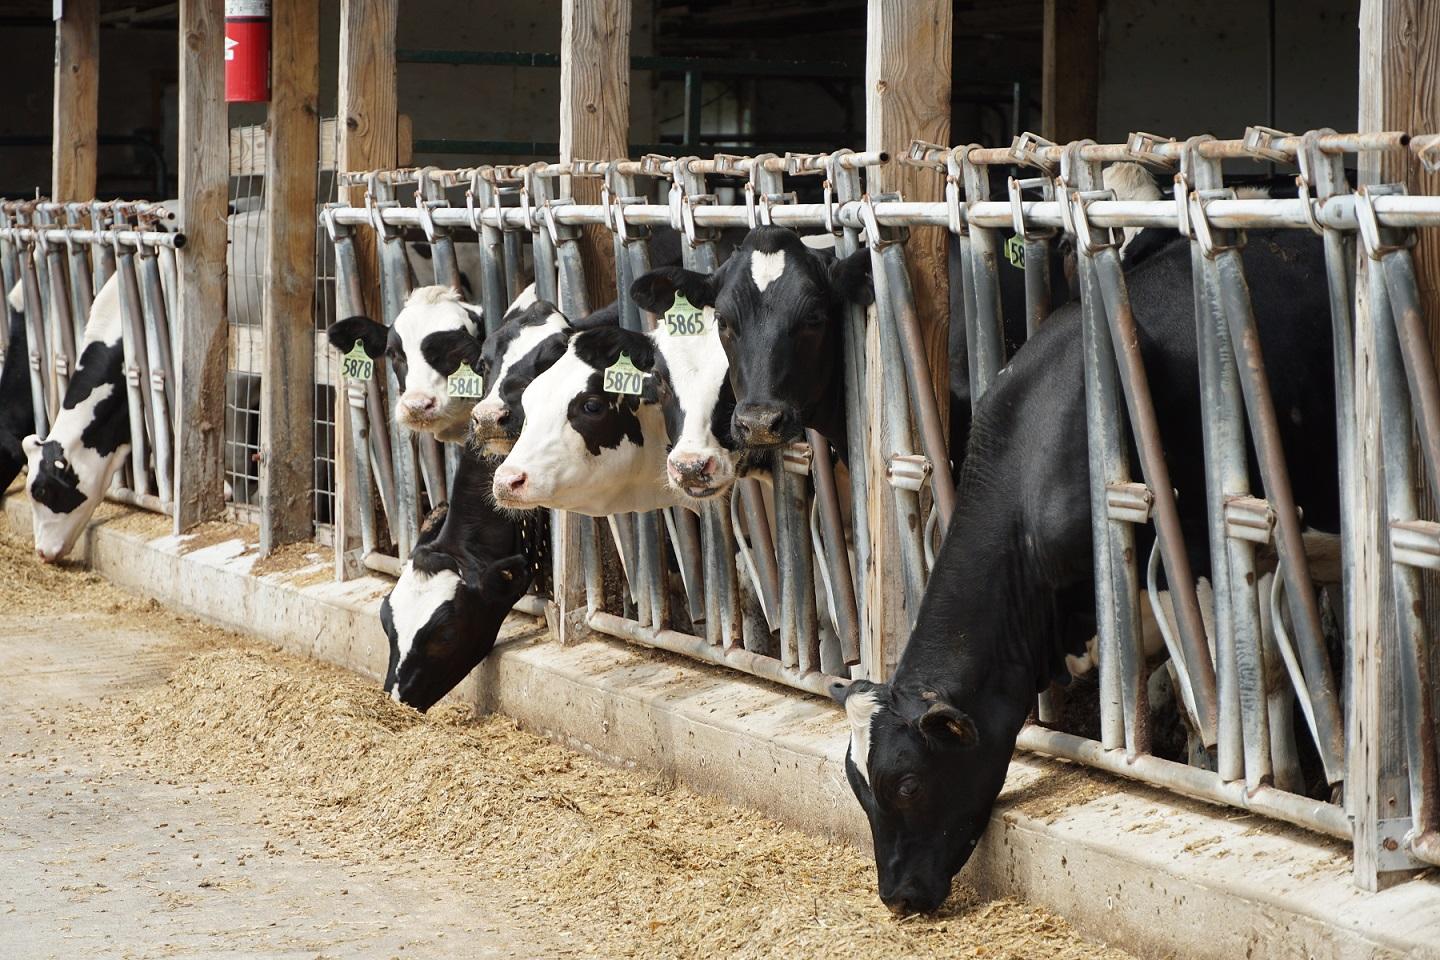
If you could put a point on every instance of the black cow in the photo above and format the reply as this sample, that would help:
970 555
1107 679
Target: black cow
1012 590
17 411
464 576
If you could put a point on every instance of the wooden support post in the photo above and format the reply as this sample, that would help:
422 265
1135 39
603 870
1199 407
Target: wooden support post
287 391
595 113
907 82
199 470
368 130
77 101
1398 74
1070 77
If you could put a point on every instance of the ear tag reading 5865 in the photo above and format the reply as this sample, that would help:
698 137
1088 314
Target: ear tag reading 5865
357 365
465 382
624 378
684 319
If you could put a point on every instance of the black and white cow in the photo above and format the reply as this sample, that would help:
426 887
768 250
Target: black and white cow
584 449
17 411
71 468
1011 593
434 333
464 576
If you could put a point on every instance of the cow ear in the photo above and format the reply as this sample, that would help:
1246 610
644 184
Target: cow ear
850 278
507 577
476 313
452 348
655 292
387 619
943 721
31 446
430 527
839 690
343 334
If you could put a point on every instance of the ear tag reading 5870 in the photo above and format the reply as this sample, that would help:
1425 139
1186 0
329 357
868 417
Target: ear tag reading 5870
624 378
684 319
465 382
357 365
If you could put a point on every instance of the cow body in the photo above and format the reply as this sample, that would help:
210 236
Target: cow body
71 468
455 591
17 411
1012 591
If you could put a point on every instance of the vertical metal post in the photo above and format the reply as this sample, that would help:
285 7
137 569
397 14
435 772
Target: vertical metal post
137 366
985 327
536 197
60 319
161 368
46 404
484 196
355 496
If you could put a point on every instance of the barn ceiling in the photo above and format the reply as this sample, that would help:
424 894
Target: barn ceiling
113 13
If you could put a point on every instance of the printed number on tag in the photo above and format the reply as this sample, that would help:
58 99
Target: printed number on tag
357 365
684 319
465 382
1015 251
624 378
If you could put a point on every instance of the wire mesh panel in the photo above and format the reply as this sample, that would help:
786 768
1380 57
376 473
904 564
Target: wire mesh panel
324 418
245 272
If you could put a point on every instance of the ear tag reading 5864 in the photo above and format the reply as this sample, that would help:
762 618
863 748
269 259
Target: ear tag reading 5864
684 319
465 382
624 378
357 365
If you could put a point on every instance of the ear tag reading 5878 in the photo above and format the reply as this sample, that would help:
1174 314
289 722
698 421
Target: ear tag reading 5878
624 378
357 365
1015 251
465 382
684 319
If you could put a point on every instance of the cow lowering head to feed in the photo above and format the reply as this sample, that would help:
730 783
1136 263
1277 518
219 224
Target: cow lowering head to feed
432 336
777 308
463 577
71 468
1012 591
17 413
594 435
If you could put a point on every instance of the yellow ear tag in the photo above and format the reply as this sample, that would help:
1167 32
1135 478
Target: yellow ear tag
357 365
624 378
1015 251
684 319
465 382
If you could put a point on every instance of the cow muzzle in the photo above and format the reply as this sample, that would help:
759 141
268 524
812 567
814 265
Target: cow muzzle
417 408
489 420
765 424
510 486
697 475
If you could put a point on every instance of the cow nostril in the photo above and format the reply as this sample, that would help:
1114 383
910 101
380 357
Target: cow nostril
901 907
516 480
502 417
707 469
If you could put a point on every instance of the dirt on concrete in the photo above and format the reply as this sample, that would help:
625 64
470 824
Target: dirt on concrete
557 853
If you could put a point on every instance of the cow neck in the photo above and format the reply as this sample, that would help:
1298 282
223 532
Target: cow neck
828 416
471 516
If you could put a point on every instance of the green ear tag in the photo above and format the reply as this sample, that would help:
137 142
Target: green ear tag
684 319
357 365
1015 251
624 378
465 382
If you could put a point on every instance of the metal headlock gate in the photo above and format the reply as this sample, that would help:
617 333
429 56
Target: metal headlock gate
61 254
816 610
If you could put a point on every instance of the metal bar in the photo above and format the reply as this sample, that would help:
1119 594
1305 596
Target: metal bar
1398 269
42 398
148 238
137 368
1037 283
484 196
986 340
60 319
542 243
82 292
161 369
1244 149
836 556
1265 431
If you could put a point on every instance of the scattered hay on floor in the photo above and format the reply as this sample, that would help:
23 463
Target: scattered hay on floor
635 867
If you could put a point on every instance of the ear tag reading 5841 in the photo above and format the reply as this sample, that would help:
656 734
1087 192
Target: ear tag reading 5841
357 365
465 382
624 378
684 319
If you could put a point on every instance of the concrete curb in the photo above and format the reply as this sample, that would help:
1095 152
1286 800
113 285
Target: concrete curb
1151 873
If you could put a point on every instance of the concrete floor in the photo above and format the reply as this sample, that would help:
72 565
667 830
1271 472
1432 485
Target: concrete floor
101 861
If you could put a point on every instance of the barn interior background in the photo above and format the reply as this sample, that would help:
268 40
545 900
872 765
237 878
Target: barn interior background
463 120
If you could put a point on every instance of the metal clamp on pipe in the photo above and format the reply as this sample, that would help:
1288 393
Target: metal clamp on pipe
1073 206
876 236
373 210
1015 189
1260 142
1378 240
1141 148
1249 518
1026 151
908 471
796 457
1212 240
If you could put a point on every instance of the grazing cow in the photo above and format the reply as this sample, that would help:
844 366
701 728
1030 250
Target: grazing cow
582 448
778 308
71 468
432 336
463 577
1011 593
17 412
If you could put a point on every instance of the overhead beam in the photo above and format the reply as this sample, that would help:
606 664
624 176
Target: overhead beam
907 96
77 101
203 188
1070 74
287 392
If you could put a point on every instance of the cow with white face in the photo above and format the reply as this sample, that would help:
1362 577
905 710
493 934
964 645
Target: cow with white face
584 448
463 577
71 468
528 343
432 336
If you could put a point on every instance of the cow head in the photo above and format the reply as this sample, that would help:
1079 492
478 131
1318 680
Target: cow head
442 619
430 338
585 449
528 343
778 308
927 774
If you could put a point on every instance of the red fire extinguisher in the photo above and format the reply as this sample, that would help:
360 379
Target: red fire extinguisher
247 51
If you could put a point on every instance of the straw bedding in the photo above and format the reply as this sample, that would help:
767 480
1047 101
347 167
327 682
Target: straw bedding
628 865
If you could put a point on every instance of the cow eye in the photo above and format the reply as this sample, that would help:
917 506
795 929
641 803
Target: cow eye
908 788
594 406
722 322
